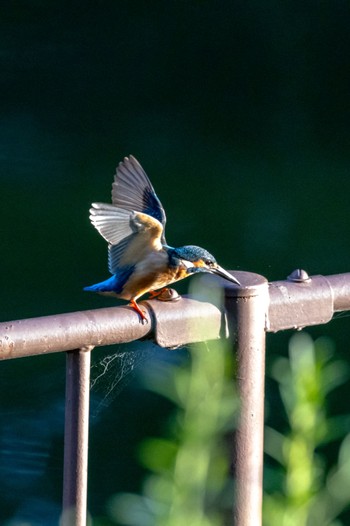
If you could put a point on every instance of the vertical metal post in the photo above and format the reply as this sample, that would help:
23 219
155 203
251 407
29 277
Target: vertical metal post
76 438
247 310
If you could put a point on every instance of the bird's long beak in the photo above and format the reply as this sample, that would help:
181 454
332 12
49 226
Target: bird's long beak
219 271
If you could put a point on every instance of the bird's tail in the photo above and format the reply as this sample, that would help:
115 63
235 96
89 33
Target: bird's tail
109 285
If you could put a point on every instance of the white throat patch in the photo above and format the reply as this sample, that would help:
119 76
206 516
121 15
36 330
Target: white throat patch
188 264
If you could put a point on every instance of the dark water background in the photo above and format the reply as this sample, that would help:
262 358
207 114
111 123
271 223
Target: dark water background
239 113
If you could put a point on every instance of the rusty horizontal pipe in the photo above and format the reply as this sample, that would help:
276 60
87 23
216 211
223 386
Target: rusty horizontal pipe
69 331
167 321
340 285
312 301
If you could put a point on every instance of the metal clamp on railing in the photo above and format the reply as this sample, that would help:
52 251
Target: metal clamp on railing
302 301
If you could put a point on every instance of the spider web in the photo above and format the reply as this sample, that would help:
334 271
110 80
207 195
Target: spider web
111 374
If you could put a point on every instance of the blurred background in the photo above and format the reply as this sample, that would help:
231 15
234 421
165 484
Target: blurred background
239 113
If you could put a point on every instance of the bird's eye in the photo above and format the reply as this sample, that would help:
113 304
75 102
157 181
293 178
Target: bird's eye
208 263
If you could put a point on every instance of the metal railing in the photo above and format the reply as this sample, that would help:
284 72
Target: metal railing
251 310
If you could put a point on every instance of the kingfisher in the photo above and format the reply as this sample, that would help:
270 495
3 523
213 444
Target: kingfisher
139 258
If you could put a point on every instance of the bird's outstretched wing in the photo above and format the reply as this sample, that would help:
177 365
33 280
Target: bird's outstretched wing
130 234
132 190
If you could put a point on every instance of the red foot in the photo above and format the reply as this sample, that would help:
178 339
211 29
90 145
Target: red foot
155 293
135 306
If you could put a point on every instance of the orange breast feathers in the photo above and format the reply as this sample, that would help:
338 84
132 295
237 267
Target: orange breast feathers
150 273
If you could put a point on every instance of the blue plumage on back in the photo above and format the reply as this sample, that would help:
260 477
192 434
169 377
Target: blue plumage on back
114 284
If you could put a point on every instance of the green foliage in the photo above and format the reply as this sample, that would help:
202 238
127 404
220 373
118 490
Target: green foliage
307 493
189 468
188 474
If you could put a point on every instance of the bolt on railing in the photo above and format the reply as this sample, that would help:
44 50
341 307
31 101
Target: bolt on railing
252 309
